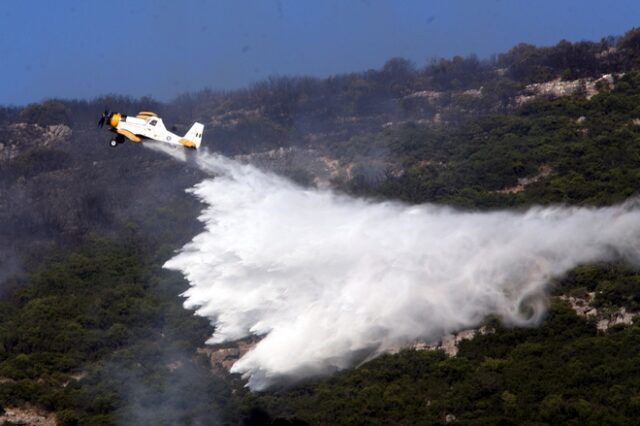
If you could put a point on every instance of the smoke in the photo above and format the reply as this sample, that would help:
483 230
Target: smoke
331 281
10 266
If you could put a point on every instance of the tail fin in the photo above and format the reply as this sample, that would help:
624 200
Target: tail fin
193 137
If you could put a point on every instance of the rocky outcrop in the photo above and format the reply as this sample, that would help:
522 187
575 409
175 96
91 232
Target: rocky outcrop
607 81
605 318
543 172
27 416
449 343
429 95
588 87
618 317
222 357
19 137
553 89
582 306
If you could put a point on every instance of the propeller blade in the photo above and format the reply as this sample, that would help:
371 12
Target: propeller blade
104 117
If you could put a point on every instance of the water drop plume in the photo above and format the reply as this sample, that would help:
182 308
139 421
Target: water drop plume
329 281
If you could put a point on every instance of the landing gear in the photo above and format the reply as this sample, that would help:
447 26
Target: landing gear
115 142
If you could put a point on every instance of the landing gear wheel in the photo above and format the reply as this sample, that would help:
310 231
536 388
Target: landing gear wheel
120 139
113 143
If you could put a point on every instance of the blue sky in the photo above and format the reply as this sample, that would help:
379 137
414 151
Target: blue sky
160 48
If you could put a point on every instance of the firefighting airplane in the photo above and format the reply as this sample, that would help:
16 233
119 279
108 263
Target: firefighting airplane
147 125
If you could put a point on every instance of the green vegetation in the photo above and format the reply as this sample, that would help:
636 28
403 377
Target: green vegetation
34 162
578 151
614 284
47 113
98 335
561 373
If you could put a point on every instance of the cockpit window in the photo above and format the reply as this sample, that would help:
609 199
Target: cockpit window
153 122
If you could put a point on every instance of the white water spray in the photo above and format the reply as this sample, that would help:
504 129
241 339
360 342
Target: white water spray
330 281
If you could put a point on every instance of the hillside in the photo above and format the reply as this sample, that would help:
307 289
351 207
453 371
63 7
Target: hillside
92 330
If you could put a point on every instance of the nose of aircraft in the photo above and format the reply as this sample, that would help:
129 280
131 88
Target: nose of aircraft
114 119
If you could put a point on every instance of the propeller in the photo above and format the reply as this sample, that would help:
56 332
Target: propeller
104 117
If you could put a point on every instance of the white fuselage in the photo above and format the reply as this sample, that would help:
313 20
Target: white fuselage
149 126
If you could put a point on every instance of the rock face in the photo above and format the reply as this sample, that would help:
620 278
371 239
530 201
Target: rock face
20 137
430 95
554 89
27 416
589 87
621 316
605 318
606 81
222 357
582 307
543 172
449 343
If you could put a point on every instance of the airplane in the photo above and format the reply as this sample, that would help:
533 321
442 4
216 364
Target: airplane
147 125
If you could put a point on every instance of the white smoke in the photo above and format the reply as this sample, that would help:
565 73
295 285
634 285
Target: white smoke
330 281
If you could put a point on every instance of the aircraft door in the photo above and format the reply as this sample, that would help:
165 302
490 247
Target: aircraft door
153 129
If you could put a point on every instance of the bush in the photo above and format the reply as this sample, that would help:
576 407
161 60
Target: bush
47 113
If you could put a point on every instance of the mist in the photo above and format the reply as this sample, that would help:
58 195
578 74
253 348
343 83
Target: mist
329 281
